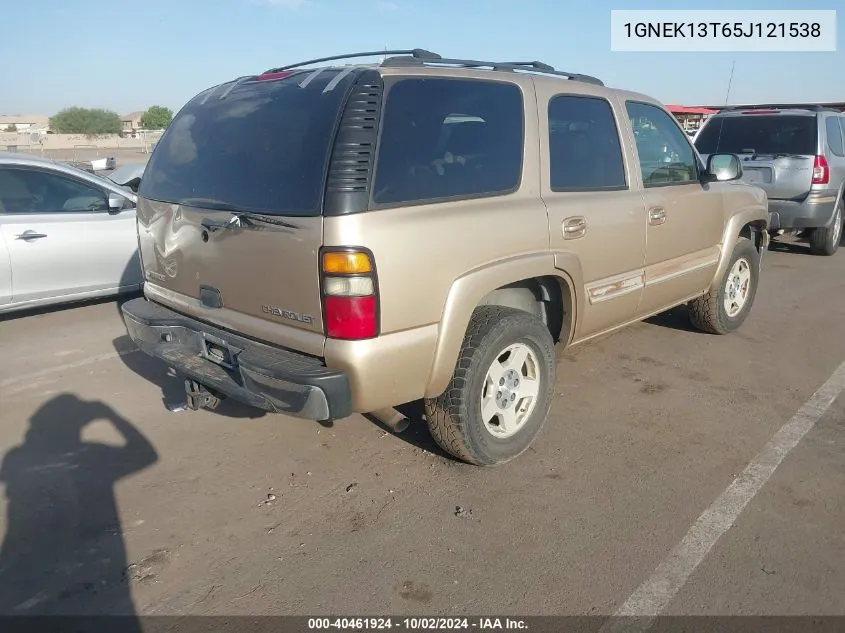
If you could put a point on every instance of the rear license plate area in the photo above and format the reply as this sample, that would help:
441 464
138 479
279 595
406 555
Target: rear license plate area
218 352
755 174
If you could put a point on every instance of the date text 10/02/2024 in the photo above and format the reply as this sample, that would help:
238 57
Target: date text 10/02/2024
415 624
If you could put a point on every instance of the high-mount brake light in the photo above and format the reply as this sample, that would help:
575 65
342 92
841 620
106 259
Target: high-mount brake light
272 76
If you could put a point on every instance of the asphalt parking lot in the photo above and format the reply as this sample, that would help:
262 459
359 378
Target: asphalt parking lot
113 504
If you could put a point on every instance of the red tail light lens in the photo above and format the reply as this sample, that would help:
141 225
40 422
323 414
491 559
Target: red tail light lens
351 318
350 294
821 171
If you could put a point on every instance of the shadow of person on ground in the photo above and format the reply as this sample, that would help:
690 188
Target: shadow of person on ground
63 552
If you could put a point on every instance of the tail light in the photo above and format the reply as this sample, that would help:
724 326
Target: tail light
350 294
821 171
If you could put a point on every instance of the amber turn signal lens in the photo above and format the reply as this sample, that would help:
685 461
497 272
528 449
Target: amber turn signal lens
346 263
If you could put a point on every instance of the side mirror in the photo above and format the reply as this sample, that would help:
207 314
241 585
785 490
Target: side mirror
722 167
116 203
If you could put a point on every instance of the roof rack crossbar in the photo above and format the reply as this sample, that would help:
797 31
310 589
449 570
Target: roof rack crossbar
417 53
534 64
777 106
538 67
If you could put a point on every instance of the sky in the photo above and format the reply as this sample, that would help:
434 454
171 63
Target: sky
126 56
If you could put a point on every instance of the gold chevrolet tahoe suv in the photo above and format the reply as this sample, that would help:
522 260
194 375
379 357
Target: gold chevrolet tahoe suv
323 239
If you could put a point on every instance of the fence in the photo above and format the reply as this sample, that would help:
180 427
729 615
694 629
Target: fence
80 147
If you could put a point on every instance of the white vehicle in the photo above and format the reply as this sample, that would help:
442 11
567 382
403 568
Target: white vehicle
65 234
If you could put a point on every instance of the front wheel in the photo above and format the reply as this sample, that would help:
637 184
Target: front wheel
501 391
727 305
825 241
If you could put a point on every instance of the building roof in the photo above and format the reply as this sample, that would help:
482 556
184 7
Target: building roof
16 119
679 109
132 116
833 105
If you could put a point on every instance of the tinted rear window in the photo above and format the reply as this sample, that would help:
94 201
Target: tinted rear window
262 147
449 138
759 133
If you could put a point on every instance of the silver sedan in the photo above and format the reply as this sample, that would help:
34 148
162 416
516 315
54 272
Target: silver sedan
65 234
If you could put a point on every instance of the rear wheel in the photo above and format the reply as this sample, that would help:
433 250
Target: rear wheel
825 240
726 306
501 391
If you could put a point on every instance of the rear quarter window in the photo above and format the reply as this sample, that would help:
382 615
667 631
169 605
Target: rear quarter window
446 139
834 135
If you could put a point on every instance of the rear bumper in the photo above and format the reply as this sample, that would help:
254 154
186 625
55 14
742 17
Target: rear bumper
815 211
259 375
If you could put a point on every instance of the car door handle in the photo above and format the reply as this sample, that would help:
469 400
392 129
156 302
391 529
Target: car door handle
30 235
574 227
656 215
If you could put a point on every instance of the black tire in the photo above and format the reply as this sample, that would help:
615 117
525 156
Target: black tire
825 240
454 418
707 313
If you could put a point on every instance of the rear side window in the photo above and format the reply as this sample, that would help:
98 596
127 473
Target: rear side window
834 135
449 138
759 134
584 149
259 146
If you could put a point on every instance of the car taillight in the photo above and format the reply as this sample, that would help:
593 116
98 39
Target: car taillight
350 294
821 171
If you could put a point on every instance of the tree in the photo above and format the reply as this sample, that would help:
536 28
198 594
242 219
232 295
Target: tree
11 127
88 121
156 118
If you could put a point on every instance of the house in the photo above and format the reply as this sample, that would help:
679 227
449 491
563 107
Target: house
131 122
690 118
24 122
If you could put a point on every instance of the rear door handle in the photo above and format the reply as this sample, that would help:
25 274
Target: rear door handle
656 215
574 227
30 235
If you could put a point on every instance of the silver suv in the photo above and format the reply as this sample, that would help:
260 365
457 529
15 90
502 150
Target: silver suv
796 154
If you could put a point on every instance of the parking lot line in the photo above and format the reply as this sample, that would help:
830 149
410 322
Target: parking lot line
652 597
19 383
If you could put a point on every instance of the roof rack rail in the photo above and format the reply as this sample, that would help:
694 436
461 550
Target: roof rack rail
415 53
535 66
777 106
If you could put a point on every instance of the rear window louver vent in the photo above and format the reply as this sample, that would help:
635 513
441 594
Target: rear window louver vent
353 156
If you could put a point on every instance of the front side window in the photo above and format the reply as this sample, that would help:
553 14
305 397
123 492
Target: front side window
36 191
584 149
665 153
449 138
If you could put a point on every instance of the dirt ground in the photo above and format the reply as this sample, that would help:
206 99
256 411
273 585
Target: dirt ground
113 504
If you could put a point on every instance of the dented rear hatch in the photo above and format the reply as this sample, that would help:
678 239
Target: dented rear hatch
229 217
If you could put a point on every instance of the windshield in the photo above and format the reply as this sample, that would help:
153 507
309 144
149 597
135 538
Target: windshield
260 146
759 134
